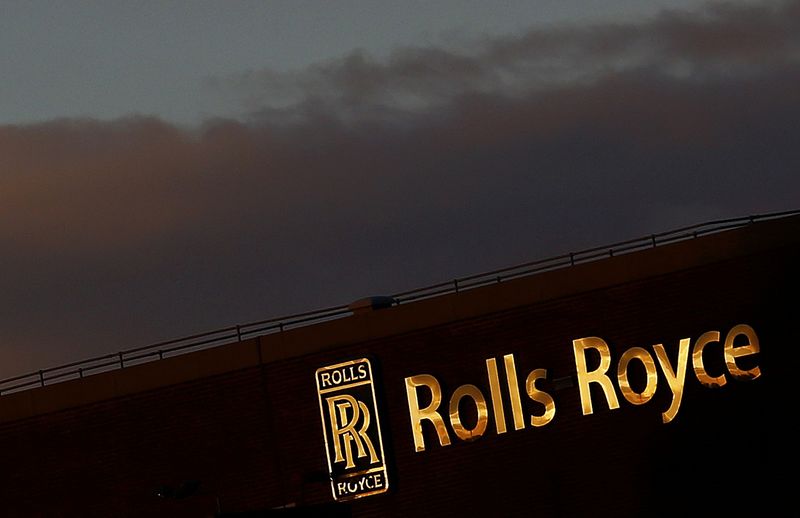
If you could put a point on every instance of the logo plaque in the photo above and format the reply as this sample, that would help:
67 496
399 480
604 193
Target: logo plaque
352 430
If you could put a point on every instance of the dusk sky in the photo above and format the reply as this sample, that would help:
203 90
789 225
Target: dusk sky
169 168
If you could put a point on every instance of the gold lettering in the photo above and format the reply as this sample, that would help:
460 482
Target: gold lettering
697 361
540 397
513 392
343 429
497 400
473 392
430 412
731 352
652 376
675 381
598 376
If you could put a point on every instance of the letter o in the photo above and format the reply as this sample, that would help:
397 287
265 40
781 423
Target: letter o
650 368
475 394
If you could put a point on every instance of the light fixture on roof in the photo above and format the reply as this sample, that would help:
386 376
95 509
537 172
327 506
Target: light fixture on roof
371 304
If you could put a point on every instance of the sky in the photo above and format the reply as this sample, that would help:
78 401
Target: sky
108 59
169 168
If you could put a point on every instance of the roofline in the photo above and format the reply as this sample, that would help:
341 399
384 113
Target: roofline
246 332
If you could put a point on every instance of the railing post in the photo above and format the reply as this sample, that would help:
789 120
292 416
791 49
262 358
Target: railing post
41 377
121 361
80 372
572 258
160 354
455 283
653 239
238 332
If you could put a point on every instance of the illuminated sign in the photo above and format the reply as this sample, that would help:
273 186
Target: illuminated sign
352 429
432 413
740 341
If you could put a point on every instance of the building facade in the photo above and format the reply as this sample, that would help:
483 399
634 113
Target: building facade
654 382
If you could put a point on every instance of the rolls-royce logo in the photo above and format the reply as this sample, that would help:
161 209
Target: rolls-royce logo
351 427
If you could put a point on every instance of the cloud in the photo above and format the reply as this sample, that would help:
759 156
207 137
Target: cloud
357 177
721 39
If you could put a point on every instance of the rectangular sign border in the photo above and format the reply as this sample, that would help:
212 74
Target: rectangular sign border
384 467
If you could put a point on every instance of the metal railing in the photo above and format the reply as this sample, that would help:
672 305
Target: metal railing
239 332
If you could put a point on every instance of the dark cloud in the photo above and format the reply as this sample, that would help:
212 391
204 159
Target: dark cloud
722 39
369 177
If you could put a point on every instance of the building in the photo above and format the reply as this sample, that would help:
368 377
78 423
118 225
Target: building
653 377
